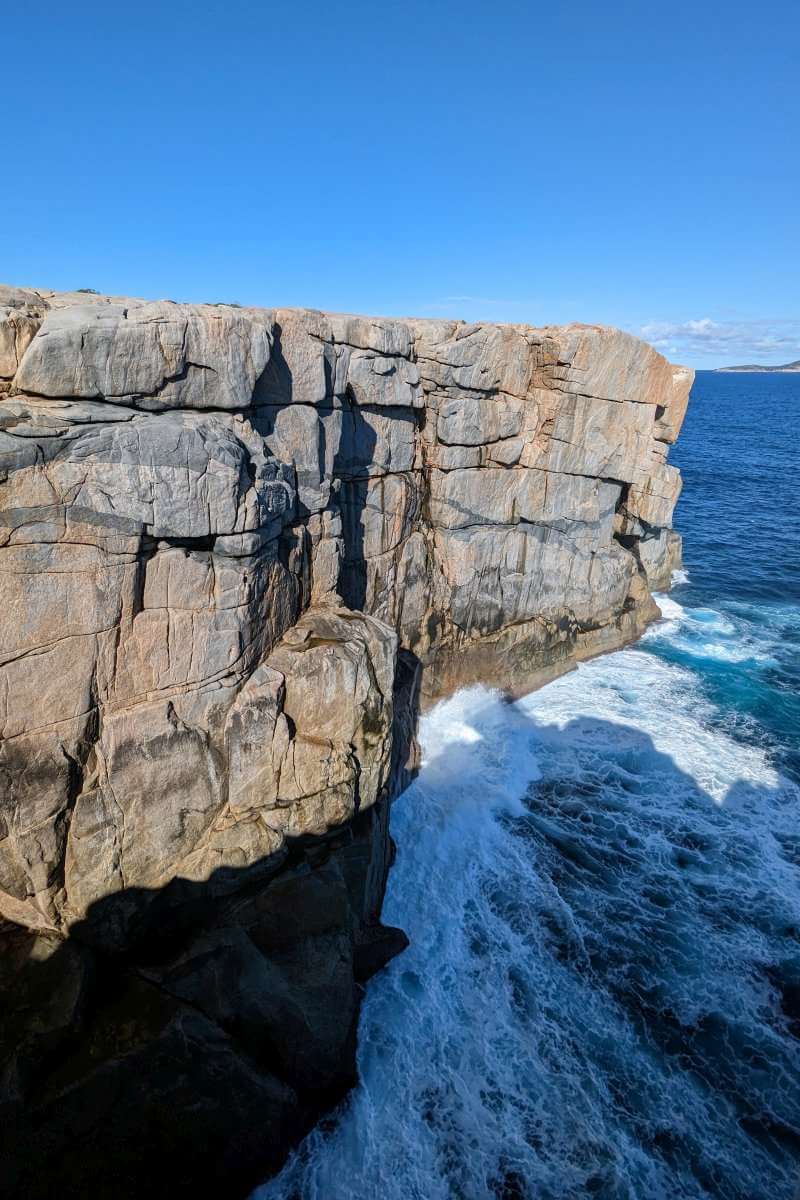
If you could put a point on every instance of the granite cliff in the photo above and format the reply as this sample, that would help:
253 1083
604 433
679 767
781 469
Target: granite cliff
238 548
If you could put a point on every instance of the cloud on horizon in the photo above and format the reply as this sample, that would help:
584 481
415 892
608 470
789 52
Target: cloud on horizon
770 342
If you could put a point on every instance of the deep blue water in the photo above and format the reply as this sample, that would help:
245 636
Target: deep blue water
602 888
739 514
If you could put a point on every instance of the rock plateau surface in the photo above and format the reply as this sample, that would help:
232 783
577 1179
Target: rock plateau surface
238 548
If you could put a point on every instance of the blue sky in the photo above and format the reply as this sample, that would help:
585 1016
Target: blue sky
629 163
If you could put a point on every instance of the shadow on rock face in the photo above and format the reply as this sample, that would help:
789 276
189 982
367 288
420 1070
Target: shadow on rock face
194 1049
357 444
207 1047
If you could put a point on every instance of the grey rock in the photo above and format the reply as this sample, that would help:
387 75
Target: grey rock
155 356
238 548
476 420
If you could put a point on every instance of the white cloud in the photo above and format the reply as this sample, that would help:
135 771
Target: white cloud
727 342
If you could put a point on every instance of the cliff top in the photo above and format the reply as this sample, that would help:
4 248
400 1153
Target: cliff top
12 296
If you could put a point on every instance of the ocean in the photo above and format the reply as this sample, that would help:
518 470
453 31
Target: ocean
601 884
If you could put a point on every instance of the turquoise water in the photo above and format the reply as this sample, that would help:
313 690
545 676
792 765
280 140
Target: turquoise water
601 885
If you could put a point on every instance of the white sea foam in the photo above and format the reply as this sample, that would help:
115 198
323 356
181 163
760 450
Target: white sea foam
705 633
671 610
635 692
593 885
672 614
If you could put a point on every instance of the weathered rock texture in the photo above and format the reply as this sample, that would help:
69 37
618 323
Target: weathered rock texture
233 544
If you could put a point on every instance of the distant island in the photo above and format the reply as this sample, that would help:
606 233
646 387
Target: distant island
792 366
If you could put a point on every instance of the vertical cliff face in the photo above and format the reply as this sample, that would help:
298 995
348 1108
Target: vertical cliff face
237 547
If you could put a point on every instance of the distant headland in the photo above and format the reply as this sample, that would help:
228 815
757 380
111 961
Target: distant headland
792 366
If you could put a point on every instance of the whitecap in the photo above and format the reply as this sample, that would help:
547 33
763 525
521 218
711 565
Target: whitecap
671 610
707 633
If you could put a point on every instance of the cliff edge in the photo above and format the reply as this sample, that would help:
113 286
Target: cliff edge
238 548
